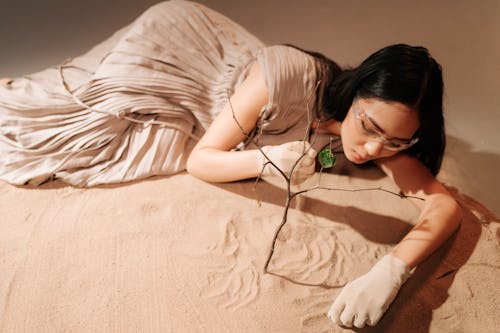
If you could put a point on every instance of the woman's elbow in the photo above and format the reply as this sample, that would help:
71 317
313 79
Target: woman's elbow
196 165
191 164
454 212
457 211
444 208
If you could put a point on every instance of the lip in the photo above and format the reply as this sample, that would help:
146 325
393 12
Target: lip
358 157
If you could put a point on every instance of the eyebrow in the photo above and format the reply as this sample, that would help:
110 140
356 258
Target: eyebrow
383 132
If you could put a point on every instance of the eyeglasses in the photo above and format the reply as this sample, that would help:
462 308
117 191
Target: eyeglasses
375 134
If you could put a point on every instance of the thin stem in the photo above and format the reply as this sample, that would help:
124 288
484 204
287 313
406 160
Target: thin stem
401 195
253 141
277 231
308 128
291 196
322 285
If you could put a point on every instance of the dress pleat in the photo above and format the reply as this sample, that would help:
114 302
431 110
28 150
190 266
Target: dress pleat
130 108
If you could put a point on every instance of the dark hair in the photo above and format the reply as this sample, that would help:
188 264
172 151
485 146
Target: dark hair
399 73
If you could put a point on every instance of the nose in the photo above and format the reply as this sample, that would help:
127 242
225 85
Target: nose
373 148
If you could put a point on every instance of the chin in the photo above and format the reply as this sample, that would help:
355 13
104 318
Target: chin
355 158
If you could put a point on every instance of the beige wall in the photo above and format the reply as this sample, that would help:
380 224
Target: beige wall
461 35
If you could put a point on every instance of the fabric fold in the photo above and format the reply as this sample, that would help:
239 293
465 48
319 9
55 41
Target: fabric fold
135 105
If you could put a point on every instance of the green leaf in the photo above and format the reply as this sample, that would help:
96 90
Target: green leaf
326 158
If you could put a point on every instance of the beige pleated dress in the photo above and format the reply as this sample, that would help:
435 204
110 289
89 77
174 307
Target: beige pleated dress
136 104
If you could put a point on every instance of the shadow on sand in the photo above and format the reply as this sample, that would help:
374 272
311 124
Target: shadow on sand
427 289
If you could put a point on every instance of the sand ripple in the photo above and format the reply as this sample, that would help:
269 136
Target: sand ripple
229 259
322 253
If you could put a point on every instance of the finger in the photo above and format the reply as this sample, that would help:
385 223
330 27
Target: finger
297 180
331 315
300 177
336 310
306 161
360 320
310 157
312 153
375 320
347 317
304 172
304 146
308 171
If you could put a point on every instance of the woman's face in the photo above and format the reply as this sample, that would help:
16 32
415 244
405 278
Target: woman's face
372 126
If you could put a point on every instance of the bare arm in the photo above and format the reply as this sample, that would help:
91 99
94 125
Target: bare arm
440 213
211 159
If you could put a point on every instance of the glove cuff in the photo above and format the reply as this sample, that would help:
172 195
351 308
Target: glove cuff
398 269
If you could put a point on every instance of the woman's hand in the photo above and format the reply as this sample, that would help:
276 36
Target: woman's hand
364 300
284 157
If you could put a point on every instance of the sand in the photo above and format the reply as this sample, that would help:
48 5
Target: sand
176 254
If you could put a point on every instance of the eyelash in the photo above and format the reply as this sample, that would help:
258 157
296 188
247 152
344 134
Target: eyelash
372 132
366 130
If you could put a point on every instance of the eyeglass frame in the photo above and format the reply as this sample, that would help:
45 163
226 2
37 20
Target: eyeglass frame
361 115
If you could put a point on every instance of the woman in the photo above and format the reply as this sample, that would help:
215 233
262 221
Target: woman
388 110
165 94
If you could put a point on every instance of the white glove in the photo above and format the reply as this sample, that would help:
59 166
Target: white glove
285 156
365 299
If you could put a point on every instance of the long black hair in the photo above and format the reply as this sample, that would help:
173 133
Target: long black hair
400 73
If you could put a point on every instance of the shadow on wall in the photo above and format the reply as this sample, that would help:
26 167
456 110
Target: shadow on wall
472 172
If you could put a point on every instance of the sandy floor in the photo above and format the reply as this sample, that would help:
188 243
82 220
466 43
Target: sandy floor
175 254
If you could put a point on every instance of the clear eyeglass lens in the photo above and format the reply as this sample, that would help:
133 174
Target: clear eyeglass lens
373 133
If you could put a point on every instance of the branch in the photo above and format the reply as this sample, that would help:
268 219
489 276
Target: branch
400 194
248 137
291 196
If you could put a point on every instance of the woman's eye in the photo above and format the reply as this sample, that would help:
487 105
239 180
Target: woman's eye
366 130
393 144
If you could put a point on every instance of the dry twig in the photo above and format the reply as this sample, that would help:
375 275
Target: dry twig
291 195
